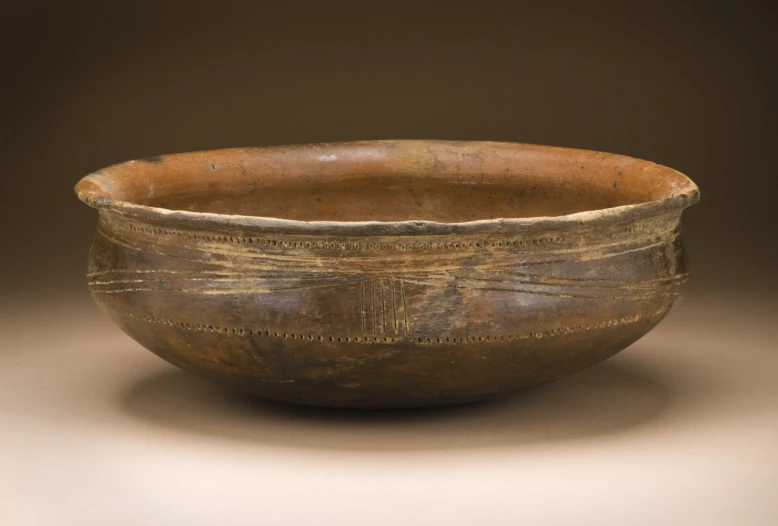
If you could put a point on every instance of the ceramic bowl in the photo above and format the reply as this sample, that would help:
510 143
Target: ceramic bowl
387 273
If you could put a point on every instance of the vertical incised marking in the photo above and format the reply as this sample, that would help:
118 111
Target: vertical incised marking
405 308
362 303
393 283
372 297
383 305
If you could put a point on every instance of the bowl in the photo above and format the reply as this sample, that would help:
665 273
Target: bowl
387 273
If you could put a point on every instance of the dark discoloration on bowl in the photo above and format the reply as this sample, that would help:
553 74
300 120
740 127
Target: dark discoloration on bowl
387 273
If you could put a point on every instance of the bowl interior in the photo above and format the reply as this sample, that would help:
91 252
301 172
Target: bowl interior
396 198
390 181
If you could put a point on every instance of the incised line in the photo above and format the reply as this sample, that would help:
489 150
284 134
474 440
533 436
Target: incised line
383 304
362 302
394 305
405 308
658 228
372 300
450 340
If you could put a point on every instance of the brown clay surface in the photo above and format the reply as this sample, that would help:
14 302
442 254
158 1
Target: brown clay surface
387 273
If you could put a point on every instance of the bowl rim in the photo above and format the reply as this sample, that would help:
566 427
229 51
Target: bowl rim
91 189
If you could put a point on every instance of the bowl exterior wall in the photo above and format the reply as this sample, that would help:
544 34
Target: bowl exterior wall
385 320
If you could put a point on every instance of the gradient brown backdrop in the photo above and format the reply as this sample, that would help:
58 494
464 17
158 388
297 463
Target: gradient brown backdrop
679 429
88 84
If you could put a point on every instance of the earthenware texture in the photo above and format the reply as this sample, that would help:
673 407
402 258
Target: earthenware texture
387 273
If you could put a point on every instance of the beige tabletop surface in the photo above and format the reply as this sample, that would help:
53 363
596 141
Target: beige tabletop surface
681 428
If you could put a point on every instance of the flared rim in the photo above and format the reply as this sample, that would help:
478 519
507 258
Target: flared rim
95 190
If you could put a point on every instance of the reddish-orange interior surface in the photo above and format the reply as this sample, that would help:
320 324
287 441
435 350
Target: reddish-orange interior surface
389 181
